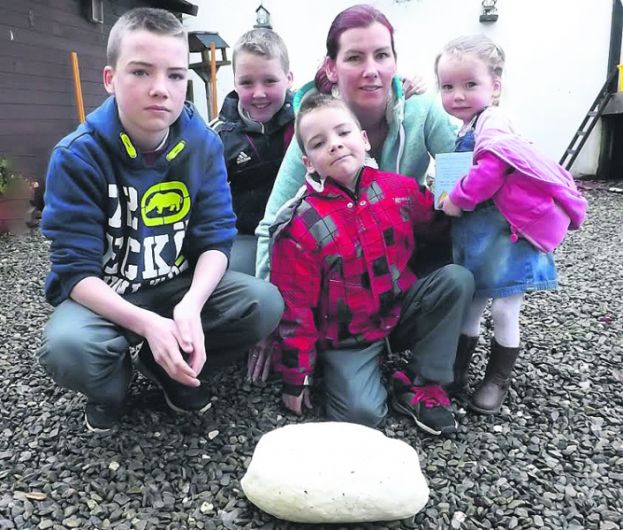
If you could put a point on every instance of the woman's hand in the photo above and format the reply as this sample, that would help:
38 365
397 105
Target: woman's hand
451 209
260 360
411 87
296 403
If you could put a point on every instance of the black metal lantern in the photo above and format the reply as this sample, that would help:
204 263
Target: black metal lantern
94 10
489 12
262 18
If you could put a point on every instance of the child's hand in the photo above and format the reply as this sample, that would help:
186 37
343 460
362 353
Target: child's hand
414 86
260 360
430 181
187 318
164 342
296 403
449 208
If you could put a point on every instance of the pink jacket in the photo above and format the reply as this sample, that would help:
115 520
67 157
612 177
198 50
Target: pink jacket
537 196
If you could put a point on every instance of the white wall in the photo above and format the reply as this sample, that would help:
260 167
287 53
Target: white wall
557 52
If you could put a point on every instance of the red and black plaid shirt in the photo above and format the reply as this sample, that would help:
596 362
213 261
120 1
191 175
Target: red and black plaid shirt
343 264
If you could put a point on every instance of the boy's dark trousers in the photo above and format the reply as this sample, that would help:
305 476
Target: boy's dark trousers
429 326
85 352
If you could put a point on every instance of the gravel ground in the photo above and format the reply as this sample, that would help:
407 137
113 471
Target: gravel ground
553 459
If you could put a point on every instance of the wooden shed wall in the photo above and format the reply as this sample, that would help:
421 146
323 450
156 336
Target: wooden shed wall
37 106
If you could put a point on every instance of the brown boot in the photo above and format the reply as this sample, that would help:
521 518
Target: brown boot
491 393
464 353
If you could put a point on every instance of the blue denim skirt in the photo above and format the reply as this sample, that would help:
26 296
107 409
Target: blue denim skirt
481 242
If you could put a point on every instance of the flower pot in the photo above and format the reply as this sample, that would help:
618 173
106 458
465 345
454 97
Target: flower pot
14 213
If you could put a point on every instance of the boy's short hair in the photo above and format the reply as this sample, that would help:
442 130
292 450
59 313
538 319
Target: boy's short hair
265 43
159 21
317 101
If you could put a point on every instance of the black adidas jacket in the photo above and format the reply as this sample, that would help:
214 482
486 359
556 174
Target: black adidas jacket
253 154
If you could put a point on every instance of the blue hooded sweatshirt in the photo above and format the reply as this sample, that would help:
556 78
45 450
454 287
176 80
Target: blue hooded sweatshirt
110 214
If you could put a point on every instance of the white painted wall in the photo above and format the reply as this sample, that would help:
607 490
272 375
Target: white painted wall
557 52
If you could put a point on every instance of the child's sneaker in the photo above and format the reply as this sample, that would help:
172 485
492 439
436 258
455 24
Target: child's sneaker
428 405
179 397
101 418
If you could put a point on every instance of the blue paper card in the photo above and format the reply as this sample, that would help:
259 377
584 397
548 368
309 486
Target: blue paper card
449 168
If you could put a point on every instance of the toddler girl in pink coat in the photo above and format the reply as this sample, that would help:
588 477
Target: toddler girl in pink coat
512 209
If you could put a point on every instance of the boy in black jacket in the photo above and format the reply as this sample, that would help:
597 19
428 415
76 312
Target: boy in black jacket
256 125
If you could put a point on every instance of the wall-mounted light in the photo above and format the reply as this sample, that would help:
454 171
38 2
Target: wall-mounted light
489 12
262 18
94 11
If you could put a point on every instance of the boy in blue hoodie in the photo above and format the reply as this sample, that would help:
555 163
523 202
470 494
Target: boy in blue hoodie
139 215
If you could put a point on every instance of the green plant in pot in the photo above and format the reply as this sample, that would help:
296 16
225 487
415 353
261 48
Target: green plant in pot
16 193
11 184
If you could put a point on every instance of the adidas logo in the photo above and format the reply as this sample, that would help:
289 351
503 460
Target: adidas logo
242 158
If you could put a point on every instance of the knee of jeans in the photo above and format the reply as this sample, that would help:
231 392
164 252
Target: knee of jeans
459 279
62 352
65 358
366 413
268 309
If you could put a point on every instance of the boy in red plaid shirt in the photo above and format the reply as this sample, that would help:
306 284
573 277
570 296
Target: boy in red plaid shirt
343 258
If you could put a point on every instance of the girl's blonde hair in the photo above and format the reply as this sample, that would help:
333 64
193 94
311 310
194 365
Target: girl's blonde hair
479 46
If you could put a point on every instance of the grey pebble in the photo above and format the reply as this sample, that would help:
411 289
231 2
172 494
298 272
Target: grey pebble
551 459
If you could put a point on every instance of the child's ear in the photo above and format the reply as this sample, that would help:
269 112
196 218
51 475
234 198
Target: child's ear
364 134
329 68
290 78
108 75
308 165
497 88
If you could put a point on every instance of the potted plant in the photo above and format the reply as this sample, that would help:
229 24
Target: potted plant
15 199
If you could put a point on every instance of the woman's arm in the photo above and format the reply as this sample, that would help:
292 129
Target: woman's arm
290 178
